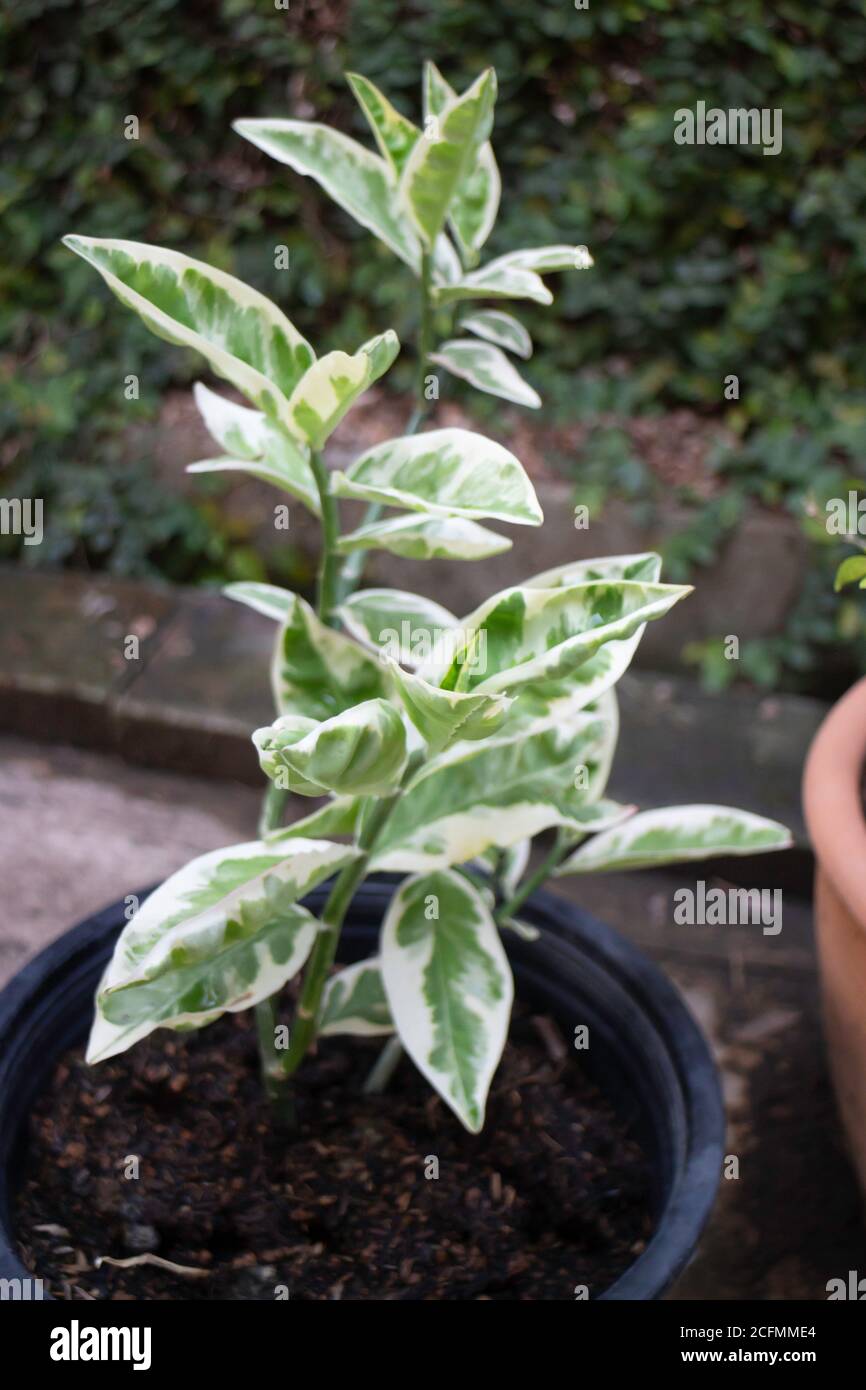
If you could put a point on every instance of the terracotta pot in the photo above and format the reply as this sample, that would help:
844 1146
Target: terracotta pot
837 827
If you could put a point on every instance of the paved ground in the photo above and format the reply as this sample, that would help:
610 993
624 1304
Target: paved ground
81 829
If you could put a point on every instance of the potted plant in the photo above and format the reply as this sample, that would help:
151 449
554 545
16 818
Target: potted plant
834 811
437 748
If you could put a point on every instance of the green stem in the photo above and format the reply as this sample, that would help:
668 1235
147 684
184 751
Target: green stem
533 880
273 1079
425 329
384 1067
325 949
273 804
353 568
329 564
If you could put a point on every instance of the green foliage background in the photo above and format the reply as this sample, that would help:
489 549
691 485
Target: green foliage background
710 261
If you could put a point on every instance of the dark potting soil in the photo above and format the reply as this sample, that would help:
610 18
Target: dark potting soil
552 1194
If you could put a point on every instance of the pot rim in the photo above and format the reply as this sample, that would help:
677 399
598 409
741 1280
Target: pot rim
832 803
696 1171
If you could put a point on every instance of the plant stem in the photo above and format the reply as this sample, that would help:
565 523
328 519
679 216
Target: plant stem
273 1079
384 1067
353 568
425 329
532 881
273 802
329 564
325 948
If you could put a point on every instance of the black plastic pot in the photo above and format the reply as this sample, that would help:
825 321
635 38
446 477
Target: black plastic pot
645 1050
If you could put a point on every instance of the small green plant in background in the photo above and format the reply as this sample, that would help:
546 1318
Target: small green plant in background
437 746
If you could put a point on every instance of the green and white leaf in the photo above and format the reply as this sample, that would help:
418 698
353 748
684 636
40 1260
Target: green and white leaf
447 269
395 135
493 792
438 166
495 281
395 623
245 338
332 385
450 472
361 751
268 599
545 259
221 934
449 987
340 816
318 672
529 635
361 182
593 678
442 717
420 537
509 865
253 445
485 367
599 815
436 93
495 326
516 275
237 429
354 1002
674 835
476 201
643 567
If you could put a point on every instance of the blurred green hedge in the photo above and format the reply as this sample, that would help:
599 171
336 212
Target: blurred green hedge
709 260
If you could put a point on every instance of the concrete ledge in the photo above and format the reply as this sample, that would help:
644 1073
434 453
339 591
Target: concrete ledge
200 685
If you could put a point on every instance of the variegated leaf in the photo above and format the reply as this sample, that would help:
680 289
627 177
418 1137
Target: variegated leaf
436 93
318 672
495 281
419 537
442 717
447 269
268 599
221 934
359 181
441 160
332 385
544 259
516 275
395 135
361 751
449 987
450 472
508 865
595 816
476 201
493 792
246 339
643 567
340 816
514 863
500 328
253 445
674 835
238 430
593 678
395 623
354 1002
485 367
530 635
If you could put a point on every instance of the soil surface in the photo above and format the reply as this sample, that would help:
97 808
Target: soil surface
551 1195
